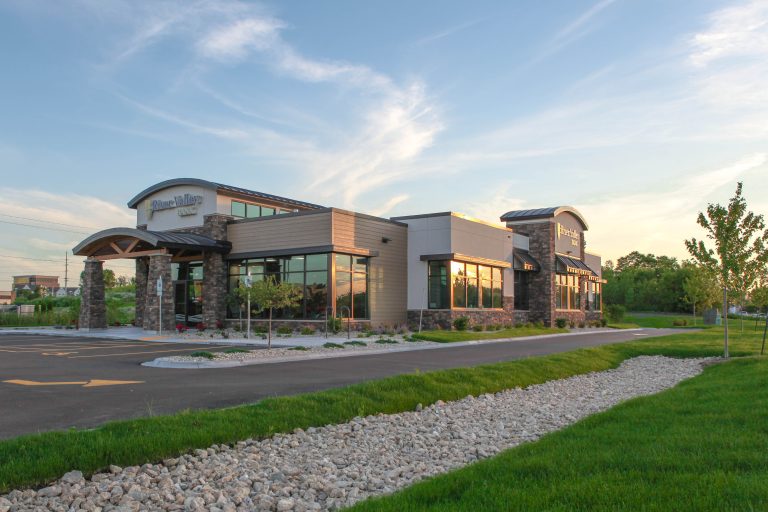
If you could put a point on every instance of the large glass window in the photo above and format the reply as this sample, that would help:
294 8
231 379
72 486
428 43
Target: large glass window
470 285
307 272
594 299
238 209
567 294
351 285
439 295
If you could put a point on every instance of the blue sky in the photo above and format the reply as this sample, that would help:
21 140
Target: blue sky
637 113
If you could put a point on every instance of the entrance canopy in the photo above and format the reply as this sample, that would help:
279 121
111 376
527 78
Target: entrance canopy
119 243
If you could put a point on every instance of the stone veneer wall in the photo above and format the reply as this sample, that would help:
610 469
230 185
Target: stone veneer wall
93 309
159 265
541 243
215 272
142 269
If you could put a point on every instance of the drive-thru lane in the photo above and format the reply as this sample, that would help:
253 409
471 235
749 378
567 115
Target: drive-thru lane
52 383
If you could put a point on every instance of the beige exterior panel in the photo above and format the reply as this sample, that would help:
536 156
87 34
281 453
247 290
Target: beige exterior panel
387 273
281 232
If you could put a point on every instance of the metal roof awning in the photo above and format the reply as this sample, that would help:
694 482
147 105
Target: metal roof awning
466 259
116 243
566 265
524 261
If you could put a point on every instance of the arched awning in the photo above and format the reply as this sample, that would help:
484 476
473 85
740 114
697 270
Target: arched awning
116 243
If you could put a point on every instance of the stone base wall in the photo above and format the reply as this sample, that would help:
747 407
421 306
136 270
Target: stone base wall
521 317
159 266
577 317
443 318
297 325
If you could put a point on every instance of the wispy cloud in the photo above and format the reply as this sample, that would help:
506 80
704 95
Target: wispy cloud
389 205
442 34
574 30
234 41
736 31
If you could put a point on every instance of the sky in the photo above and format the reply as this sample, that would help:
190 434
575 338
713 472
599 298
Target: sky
637 113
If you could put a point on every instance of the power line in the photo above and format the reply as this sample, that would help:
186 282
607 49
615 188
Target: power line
43 227
25 258
46 221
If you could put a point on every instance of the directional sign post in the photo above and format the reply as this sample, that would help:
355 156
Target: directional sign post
248 283
160 302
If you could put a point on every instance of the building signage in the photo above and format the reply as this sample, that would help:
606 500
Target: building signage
570 233
185 205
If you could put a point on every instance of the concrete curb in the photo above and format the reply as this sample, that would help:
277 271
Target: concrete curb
165 362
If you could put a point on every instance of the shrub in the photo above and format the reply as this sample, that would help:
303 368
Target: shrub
203 354
680 322
477 328
603 322
539 324
615 312
461 323
332 345
300 348
181 328
236 351
260 329
284 329
219 324
571 324
200 327
582 325
560 323
307 331
386 341
356 343
334 325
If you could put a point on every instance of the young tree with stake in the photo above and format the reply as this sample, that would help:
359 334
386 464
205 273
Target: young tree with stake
740 240
269 294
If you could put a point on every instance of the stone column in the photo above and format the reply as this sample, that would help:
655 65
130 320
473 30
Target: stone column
93 309
215 273
542 284
142 268
159 265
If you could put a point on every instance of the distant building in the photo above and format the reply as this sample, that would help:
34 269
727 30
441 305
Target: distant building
6 298
67 292
34 282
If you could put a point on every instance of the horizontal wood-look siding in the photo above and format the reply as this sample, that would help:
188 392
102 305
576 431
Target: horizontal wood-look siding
387 274
280 232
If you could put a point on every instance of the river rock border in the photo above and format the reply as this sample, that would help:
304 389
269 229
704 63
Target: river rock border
338 465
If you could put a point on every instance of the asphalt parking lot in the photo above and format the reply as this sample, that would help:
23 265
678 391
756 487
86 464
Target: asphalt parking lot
50 382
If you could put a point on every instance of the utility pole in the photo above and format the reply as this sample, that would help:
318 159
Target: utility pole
66 272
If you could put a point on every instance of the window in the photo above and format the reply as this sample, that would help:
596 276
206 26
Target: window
522 287
439 295
252 211
308 272
238 209
594 299
567 294
471 285
351 285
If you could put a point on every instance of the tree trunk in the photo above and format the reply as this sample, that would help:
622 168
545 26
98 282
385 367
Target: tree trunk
269 330
725 320
694 314
765 330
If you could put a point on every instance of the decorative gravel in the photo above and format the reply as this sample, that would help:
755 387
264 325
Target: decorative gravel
283 352
337 465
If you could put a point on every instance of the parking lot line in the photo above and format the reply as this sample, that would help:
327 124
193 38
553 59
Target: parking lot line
134 353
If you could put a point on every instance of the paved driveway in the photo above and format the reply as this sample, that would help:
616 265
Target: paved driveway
53 382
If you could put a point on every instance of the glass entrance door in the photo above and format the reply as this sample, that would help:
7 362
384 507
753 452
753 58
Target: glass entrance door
188 293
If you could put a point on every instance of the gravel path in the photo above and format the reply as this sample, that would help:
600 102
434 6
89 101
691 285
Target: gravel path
338 465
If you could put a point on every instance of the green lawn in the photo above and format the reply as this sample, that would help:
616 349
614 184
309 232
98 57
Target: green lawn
38 458
470 335
700 446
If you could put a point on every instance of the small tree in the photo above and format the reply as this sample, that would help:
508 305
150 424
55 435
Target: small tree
700 289
739 239
269 294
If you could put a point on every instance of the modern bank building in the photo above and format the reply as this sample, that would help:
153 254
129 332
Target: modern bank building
201 239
